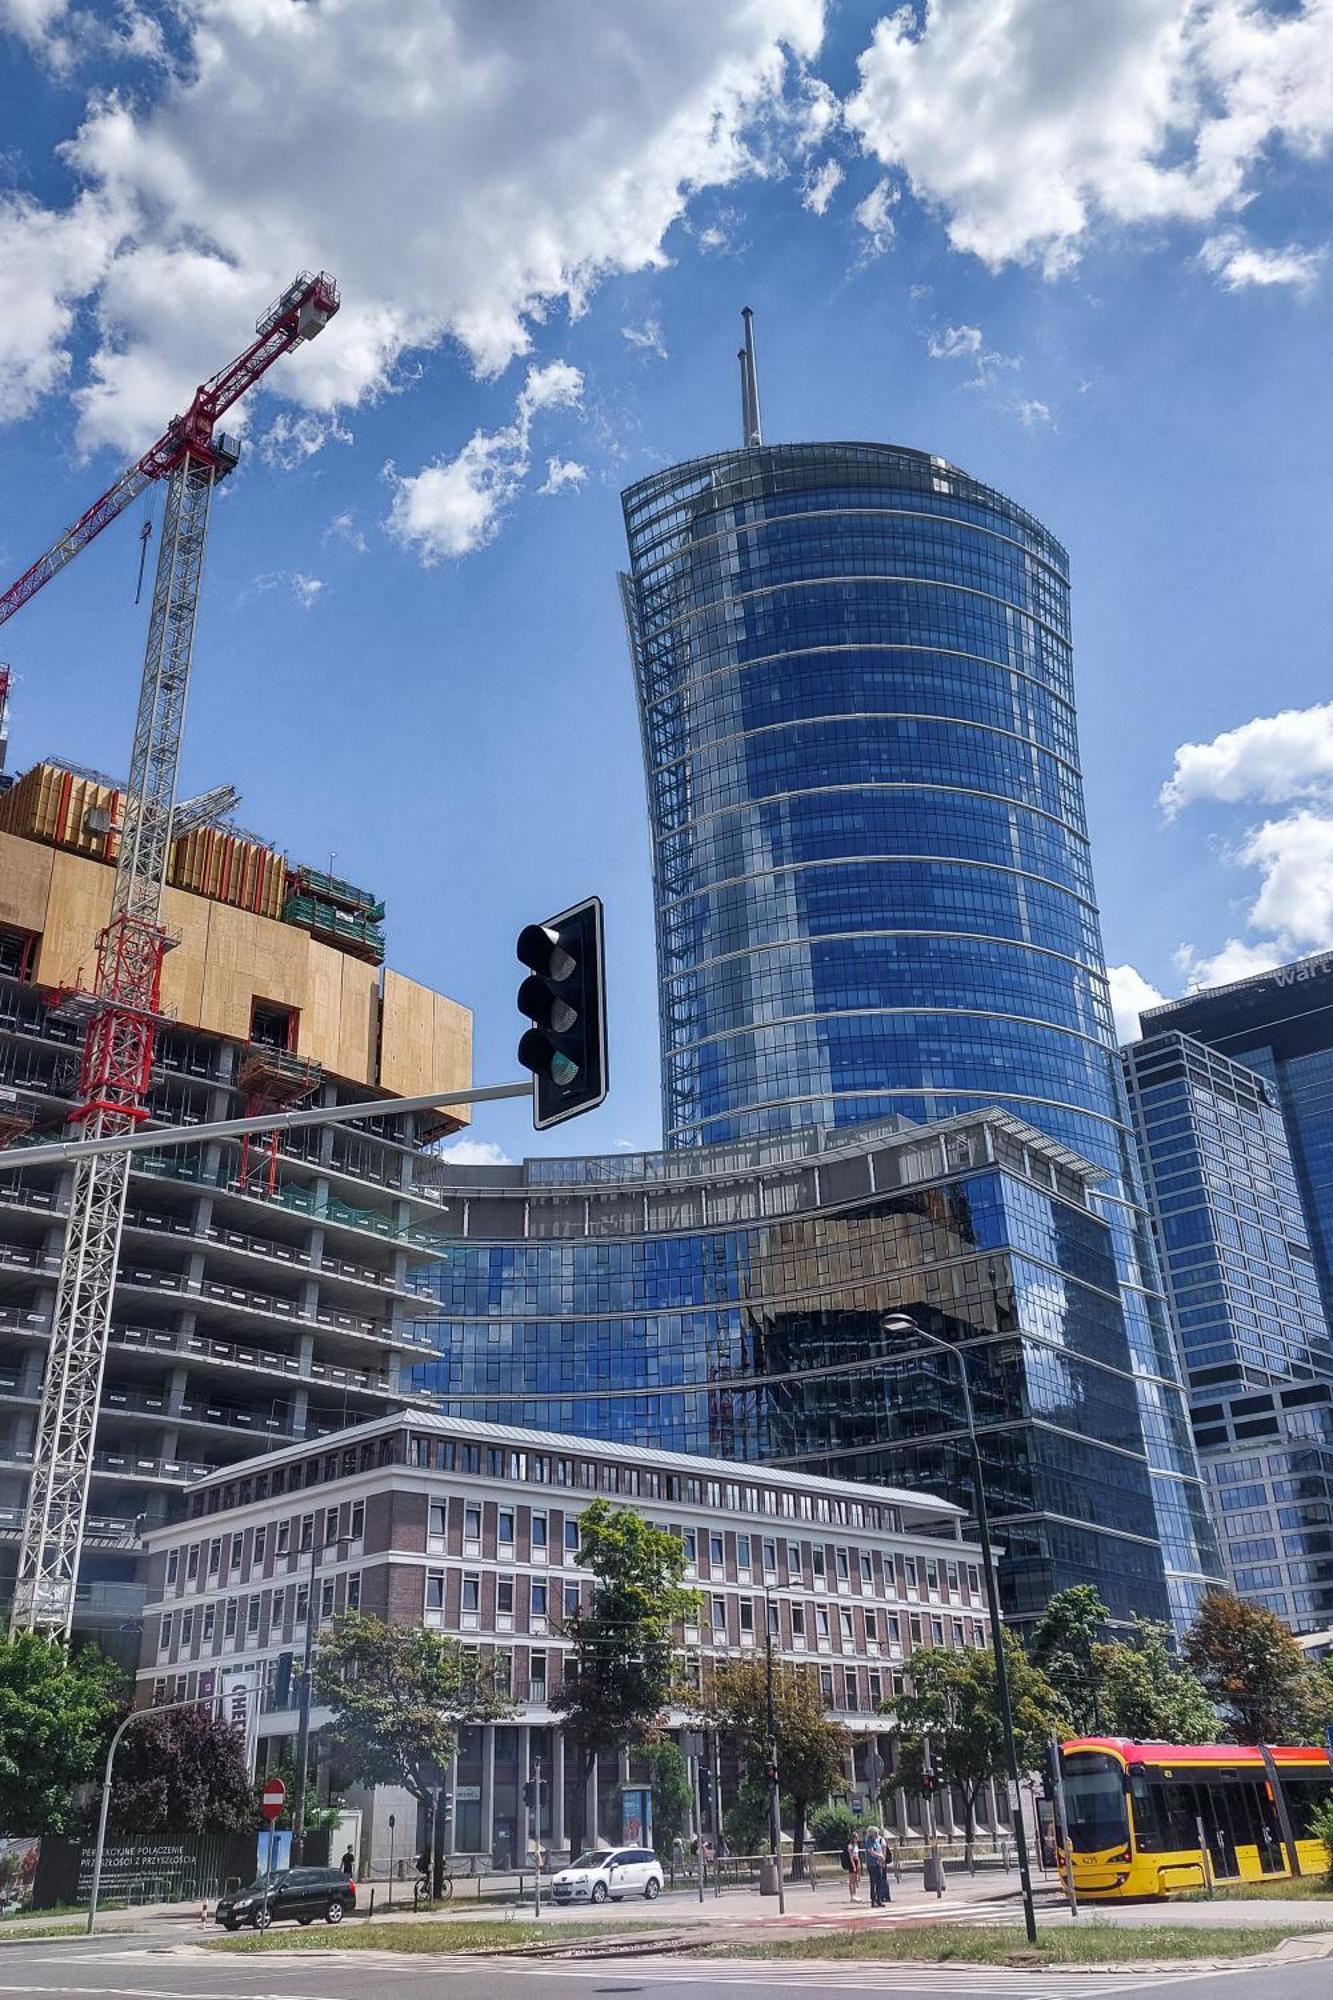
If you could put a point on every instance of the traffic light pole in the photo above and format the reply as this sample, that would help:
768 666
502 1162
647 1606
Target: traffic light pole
771 1751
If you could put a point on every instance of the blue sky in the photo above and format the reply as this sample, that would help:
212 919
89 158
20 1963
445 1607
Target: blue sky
1078 249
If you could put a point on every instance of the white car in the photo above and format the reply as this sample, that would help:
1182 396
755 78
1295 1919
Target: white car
614 1872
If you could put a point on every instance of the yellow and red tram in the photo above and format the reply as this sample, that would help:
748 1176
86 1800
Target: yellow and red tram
1136 1811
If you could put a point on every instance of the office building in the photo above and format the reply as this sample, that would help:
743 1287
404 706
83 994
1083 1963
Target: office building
729 1300
472 1530
262 1294
1240 1271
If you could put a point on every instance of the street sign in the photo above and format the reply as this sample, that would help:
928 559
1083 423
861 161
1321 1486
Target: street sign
273 1798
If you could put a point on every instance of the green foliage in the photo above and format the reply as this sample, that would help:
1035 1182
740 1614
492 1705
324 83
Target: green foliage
811 1745
1145 1692
1321 1827
954 1699
832 1826
1250 1665
670 1779
1318 1700
745 1822
399 1695
318 1818
182 1771
56 1713
621 1672
1064 1645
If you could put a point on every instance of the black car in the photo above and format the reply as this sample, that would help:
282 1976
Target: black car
296 1894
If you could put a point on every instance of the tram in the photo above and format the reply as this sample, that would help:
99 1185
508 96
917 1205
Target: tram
1145 1819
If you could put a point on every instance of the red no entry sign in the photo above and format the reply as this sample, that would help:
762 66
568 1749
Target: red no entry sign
273 1798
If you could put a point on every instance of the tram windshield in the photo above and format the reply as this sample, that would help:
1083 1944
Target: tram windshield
1095 1802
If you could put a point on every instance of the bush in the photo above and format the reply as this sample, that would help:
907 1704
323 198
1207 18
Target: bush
1321 1826
832 1826
745 1821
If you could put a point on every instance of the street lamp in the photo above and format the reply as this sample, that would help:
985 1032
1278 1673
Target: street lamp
303 1726
903 1323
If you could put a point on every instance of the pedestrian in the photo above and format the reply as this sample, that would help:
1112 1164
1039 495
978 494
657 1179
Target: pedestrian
851 1861
886 1860
347 1865
874 1855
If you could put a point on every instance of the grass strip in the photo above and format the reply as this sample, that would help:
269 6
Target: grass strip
1001 1944
1302 1890
445 1934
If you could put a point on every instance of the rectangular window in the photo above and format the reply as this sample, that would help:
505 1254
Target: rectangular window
840 1559
795 1567
914 1623
504 1530
282 1541
326 1594
504 1597
747 1615
237 1550
229 1619
438 1525
164 1633
307 1532
774 1619
330 1525
849 1683
932 1576
867 1568
471 1523
798 1621
434 1590
173 1565
571 1600
536 1676
872 1629
821 1621
276 1609
208 1622
770 1558
187 1627
875 1685
720 1615
302 1616
937 1631
742 1551
358 1522
538 1600
251 1616
826 1683
354 1593
192 1563
538 1531
909 1571
261 1544
571 1534
471 1600
715 1551
894 1626
845 1627
817 1555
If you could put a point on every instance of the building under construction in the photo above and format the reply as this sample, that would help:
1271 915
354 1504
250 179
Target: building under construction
262 1288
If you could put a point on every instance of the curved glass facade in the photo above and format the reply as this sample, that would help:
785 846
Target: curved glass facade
734 1309
872 876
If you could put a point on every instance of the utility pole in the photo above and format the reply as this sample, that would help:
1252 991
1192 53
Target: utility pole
303 1726
771 1753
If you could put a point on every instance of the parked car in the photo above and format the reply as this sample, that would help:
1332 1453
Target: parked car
294 1895
614 1872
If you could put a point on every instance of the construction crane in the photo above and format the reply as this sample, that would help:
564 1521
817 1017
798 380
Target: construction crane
124 1003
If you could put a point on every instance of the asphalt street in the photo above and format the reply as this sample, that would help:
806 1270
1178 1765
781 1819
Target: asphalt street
105 1970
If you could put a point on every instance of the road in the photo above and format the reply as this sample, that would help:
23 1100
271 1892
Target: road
106 1970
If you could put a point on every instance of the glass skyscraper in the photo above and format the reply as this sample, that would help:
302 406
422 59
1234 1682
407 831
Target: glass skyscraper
1241 1277
871 866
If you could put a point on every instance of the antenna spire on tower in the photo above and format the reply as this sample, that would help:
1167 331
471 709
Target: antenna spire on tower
750 419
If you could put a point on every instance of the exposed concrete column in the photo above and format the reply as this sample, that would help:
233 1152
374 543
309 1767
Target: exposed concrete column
488 1788
558 1788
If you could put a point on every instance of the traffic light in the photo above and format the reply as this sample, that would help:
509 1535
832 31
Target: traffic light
530 1794
564 996
705 1790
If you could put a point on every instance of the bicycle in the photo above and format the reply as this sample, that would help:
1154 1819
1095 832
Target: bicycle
423 1892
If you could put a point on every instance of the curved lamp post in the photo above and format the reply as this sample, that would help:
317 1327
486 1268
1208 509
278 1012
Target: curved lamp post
135 1715
902 1323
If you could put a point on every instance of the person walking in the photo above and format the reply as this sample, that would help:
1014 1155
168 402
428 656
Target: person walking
874 1853
348 1865
851 1861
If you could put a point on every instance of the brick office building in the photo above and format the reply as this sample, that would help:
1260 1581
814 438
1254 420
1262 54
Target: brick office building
472 1529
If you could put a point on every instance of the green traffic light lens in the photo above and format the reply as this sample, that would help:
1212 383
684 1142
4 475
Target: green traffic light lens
563 1070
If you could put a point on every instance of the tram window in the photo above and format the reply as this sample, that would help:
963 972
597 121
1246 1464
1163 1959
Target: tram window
1304 1797
1095 1803
1150 1828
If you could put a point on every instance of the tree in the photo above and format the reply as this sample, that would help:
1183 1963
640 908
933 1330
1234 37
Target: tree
670 1780
182 1771
399 1696
1064 1645
56 1713
1145 1691
1252 1668
1321 1827
953 1699
812 1747
622 1669
1319 1700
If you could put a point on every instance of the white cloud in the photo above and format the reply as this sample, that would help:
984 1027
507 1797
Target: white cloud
463 168
1270 759
1024 123
647 338
820 185
1294 857
456 505
289 440
1238 264
562 474
1130 994
1236 960
474 1153
875 215
343 528
305 589
1031 410
954 343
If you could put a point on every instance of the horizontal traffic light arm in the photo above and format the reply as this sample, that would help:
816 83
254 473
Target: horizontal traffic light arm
152 1139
